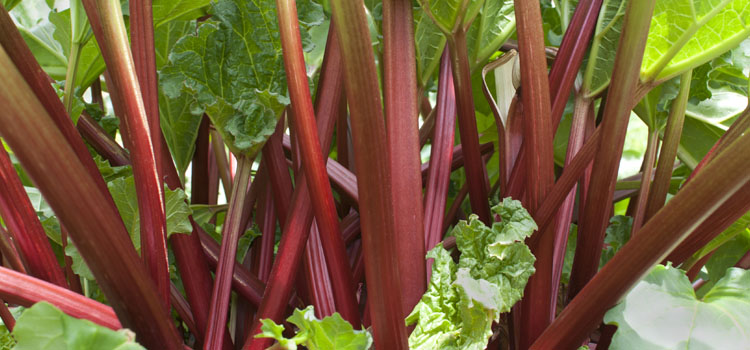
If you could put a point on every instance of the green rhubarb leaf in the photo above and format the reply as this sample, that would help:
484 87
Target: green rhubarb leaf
178 123
662 312
90 62
232 69
462 300
495 23
683 34
177 210
445 13
45 327
10 4
430 43
739 227
726 256
602 55
687 33
617 234
332 332
165 11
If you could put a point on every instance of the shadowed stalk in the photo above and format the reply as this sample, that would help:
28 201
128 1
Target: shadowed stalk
441 155
583 117
660 186
648 172
467 126
625 77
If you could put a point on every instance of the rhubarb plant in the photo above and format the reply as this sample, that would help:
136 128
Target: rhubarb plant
170 167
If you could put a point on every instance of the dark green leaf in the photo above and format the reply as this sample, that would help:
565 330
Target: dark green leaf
233 70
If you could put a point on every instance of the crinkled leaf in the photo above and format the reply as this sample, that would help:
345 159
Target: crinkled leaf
77 104
332 332
437 312
45 327
617 234
462 300
232 69
697 139
177 210
653 109
10 4
662 312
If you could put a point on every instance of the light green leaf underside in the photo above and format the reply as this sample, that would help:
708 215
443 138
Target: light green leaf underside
45 327
165 11
332 332
494 25
444 12
687 33
233 70
178 123
430 43
662 312
462 300
683 35
602 56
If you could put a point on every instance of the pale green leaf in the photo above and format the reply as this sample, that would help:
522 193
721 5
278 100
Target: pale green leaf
462 300
617 234
662 312
445 13
45 327
332 332
90 62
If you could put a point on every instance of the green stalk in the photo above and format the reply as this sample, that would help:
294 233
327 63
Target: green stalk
625 77
648 171
70 76
659 188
